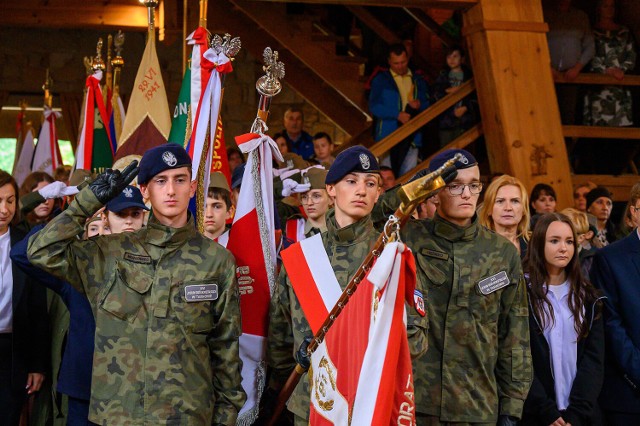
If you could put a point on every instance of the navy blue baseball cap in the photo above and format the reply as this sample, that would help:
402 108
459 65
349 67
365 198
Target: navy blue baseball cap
236 176
129 197
161 158
465 162
352 160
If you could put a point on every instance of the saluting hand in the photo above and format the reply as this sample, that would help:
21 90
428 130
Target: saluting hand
111 183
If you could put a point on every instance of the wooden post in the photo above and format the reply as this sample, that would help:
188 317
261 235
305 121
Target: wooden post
520 116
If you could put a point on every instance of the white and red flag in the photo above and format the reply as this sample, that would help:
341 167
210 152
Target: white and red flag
361 373
47 157
253 243
23 164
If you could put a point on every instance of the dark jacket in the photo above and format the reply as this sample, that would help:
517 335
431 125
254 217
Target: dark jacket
75 372
448 119
30 337
540 407
616 270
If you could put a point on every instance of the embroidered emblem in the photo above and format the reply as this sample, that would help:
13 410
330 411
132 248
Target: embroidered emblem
128 192
464 159
324 385
169 159
418 303
200 292
493 283
137 258
364 161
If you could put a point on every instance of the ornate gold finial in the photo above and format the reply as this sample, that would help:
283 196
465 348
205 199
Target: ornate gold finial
151 12
98 64
269 84
227 45
118 42
48 82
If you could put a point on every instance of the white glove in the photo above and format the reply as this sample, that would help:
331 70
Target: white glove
57 189
290 186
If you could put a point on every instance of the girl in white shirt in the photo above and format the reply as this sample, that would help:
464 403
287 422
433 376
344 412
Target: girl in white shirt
567 337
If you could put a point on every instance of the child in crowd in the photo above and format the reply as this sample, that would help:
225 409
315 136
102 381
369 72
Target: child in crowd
323 149
125 213
567 331
460 117
218 208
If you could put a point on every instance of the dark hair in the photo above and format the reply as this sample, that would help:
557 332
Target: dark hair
541 189
581 291
7 179
387 169
32 180
455 48
295 108
321 135
220 194
397 49
282 135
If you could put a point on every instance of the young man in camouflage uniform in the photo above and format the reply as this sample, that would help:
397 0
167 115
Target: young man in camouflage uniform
478 368
354 183
165 301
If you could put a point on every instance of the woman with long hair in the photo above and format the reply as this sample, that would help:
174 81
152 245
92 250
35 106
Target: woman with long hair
40 213
567 331
506 210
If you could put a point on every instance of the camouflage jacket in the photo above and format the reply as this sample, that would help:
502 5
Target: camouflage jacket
479 360
346 247
158 359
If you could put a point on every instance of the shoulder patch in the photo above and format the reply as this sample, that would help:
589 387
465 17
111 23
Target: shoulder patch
137 258
434 253
418 303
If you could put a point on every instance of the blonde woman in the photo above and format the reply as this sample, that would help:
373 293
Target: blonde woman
506 211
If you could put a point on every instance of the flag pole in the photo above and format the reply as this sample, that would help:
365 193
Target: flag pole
48 82
410 195
117 63
109 70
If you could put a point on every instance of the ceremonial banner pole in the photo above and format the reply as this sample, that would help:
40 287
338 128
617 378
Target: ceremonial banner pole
117 108
410 195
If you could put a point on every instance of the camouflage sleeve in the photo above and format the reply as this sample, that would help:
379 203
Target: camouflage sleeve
514 369
387 204
57 250
280 338
224 347
417 322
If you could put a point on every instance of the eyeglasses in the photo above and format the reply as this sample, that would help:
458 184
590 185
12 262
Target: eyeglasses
458 188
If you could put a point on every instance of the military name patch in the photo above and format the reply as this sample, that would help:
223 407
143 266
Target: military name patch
200 292
418 302
434 253
137 258
493 283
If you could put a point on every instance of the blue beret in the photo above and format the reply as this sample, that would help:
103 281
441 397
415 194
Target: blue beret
353 159
467 160
161 158
236 176
129 197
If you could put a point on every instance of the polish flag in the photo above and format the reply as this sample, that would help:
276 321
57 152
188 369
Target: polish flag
361 373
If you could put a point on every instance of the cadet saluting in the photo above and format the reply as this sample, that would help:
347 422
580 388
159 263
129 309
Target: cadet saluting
165 301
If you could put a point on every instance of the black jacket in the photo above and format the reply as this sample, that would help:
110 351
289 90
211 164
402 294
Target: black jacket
540 407
30 337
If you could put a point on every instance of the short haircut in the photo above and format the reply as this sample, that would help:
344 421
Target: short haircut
579 219
62 172
455 48
292 109
220 194
542 189
397 49
32 180
321 135
635 194
387 169
7 179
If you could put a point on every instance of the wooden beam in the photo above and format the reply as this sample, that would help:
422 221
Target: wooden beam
384 145
430 24
437 4
460 142
620 186
374 24
588 78
74 14
601 132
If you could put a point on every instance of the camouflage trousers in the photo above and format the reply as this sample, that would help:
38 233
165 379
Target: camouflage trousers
426 420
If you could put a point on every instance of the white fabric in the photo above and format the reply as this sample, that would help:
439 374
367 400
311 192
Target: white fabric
45 157
563 343
83 130
290 186
196 77
6 285
23 165
321 270
57 189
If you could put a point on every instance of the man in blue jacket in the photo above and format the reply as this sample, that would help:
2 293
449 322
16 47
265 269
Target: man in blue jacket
616 270
397 95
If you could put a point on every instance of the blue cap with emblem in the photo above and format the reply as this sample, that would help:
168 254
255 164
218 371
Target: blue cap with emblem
129 197
352 160
160 158
465 162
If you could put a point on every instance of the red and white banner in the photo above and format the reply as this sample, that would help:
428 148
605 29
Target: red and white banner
47 157
23 165
361 373
253 243
294 229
